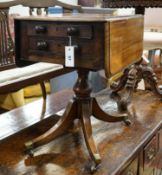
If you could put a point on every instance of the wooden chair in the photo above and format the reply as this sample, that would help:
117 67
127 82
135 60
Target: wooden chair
153 36
13 78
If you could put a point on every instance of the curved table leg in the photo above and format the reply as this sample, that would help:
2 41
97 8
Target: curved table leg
86 109
101 115
44 94
58 129
43 89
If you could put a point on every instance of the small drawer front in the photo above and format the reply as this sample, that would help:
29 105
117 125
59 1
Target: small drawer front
150 152
54 51
160 139
132 168
57 47
46 41
44 45
84 31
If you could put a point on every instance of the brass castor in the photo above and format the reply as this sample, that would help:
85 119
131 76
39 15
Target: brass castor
94 168
29 149
127 122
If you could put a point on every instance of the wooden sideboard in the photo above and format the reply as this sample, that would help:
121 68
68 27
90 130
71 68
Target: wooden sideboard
134 150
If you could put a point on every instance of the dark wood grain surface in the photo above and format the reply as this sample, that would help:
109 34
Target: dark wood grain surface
67 155
16 120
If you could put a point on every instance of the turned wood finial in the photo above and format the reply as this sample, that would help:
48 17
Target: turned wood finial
82 87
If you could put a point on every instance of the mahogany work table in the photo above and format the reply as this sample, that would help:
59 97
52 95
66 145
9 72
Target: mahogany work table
135 150
95 40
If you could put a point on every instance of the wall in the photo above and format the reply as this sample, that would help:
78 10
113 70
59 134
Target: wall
153 18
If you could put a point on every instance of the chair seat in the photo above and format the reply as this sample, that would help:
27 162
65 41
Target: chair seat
19 74
152 40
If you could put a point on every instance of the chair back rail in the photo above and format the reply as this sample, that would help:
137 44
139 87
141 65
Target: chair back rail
6 42
38 4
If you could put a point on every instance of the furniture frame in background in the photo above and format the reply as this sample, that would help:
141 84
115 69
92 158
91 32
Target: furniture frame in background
131 76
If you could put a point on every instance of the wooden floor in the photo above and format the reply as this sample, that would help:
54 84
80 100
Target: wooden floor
68 155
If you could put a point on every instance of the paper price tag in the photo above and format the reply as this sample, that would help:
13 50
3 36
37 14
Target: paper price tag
69 56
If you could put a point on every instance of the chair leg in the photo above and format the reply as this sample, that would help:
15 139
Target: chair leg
160 57
44 94
43 89
151 54
86 112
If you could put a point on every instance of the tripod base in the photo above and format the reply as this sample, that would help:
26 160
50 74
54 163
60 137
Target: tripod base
81 107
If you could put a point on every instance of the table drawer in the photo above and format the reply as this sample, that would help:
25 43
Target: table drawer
150 152
132 168
160 139
48 45
38 28
37 45
57 47
54 51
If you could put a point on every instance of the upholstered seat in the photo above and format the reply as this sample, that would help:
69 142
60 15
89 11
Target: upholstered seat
21 73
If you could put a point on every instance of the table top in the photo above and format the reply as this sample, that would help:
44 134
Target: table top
78 17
